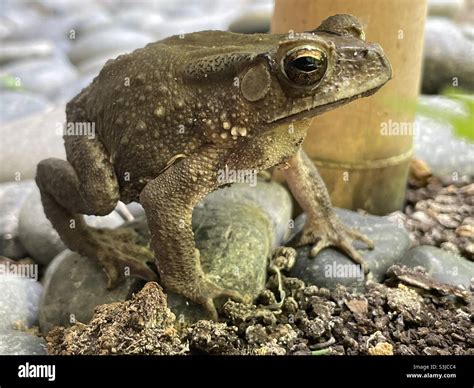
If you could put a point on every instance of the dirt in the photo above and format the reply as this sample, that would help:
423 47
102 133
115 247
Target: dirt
142 325
385 320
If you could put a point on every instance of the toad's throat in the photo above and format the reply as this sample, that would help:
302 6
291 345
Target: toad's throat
322 108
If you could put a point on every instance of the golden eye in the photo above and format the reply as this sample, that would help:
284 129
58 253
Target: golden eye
305 66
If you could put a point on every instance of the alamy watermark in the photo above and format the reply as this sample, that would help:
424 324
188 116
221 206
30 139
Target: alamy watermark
399 128
32 371
76 128
10 270
339 271
228 175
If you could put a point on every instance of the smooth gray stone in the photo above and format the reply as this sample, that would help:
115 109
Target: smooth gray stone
468 30
447 55
177 8
19 301
18 104
103 41
185 24
19 343
43 76
111 221
21 49
34 138
235 229
391 243
65 7
36 232
64 28
12 198
253 20
86 21
444 266
16 18
38 235
139 18
91 67
234 241
74 88
73 286
271 197
136 209
446 8
436 143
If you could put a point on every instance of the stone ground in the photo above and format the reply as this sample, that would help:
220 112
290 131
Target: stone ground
392 318
410 313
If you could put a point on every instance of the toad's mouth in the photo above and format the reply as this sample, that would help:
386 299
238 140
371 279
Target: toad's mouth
317 110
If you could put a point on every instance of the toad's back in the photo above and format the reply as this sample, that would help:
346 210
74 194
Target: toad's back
145 112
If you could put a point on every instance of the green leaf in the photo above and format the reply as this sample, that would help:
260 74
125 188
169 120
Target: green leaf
10 82
321 352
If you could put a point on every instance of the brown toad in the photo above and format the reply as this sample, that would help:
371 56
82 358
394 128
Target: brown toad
173 114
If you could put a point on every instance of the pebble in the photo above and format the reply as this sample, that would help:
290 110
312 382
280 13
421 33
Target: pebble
91 67
73 286
86 21
235 230
435 141
18 343
332 267
468 30
105 41
15 104
38 235
136 209
17 18
253 20
447 62
234 241
19 301
271 197
139 18
74 88
446 267
65 6
188 23
440 212
21 49
17 139
445 8
12 197
41 75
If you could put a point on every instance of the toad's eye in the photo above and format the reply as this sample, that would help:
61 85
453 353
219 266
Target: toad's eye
305 67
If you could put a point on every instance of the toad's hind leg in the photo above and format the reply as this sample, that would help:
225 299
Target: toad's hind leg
86 184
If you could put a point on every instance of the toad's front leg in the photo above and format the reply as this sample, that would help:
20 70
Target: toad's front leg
169 201
323 228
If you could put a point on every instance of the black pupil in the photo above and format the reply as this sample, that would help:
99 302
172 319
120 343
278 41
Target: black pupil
306 64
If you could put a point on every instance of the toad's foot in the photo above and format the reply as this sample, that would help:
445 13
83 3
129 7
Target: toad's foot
203 291
324 234
120 256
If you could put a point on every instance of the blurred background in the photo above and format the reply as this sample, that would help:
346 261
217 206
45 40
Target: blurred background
57 46
51 49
